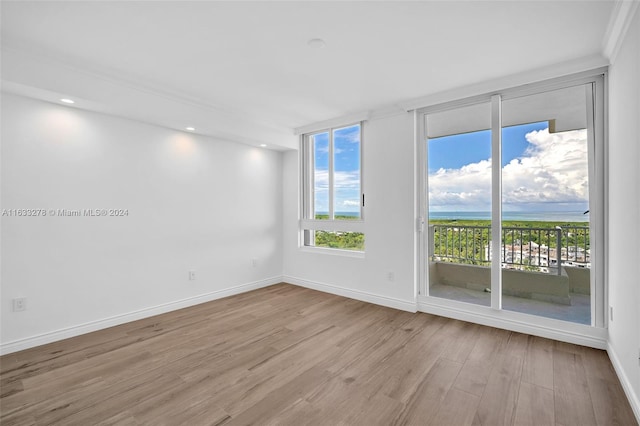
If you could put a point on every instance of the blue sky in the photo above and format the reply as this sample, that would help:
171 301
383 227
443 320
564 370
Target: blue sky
346 166
453 152
540 171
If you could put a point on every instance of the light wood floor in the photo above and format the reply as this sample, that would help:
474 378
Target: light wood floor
288 355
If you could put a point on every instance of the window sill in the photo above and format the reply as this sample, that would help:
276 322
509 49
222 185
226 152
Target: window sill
333 225
333 252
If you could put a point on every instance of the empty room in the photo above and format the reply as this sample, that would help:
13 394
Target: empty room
320 212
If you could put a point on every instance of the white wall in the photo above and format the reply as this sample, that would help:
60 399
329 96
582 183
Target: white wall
624 211
194 203
389 233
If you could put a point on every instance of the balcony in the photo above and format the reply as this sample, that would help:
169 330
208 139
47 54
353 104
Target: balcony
546 271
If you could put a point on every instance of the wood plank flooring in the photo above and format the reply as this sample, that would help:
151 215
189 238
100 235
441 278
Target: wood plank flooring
292 356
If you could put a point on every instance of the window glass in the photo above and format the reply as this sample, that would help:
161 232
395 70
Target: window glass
346 175
320 143
332 199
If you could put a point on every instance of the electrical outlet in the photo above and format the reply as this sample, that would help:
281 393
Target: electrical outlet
611 313
19 304
192 275
254 263
391 276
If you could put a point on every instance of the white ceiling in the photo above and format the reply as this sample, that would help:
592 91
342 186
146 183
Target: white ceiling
244 71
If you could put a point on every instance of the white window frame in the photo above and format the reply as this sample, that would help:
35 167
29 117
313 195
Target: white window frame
495 315
307 210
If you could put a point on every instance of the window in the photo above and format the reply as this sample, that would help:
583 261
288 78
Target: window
332 199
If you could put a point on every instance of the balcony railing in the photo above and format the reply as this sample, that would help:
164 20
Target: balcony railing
531 249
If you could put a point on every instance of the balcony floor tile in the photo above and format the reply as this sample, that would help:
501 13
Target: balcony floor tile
579 311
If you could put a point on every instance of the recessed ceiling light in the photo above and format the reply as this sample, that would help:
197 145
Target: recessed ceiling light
191 129
264 145
67 101
316 43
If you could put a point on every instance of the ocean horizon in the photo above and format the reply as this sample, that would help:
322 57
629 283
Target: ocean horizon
576 216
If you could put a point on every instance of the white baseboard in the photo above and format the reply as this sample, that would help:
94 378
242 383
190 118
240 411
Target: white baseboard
572 333
390 302
625 382
65 333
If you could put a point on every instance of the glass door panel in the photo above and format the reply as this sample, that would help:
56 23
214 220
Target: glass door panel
545 253
458 148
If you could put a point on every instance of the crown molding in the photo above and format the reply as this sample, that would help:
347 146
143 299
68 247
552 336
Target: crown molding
576 66
387 112
48 77
334 122
619 23
125 80
376 114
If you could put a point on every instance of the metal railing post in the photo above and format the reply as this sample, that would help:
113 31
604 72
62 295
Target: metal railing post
559 248
432 243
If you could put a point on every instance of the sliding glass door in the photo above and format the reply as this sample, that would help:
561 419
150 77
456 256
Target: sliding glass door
511 201
545 204
458 150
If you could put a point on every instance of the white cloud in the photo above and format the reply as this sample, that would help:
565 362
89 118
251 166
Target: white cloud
346 180
341 179
347 188
350 135
553 169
